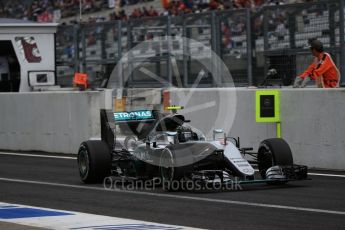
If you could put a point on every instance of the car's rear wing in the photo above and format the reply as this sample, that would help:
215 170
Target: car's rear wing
139 115
134 123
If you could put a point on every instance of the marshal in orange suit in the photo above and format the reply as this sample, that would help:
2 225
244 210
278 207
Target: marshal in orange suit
322 70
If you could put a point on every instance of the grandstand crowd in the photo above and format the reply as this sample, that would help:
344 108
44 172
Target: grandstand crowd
54 10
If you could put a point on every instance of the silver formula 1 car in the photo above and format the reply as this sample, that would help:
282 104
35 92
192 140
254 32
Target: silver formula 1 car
149 145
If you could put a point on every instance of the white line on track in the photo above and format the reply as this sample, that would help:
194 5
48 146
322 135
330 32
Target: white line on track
243 203
37 155
323 174
75 158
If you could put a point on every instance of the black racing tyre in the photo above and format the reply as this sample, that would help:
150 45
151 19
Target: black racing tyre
275 151
94 161
171 174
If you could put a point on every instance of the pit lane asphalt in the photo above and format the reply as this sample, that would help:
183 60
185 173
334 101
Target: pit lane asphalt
321 193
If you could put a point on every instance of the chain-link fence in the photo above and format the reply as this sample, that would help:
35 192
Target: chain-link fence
234 35
287 30
249 43
66 58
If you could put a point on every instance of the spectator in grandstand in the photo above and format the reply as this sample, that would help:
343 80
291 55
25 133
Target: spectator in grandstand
242 3
42 10
226 38
322 70
136 13
281 29
152 12
121 15
87 5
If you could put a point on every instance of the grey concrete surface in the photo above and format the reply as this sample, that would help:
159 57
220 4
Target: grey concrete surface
46 121
323 193
313 124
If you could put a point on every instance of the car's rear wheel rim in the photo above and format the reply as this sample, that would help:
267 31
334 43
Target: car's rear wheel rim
84 163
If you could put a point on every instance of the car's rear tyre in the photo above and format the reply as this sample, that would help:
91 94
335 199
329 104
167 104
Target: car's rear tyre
94 161
275 151
171 174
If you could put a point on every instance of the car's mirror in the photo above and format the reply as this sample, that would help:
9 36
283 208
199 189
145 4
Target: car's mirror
217 131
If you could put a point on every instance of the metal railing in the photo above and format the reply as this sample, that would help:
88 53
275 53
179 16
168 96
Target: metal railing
249 43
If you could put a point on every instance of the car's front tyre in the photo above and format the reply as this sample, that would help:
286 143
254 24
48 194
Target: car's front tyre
273 152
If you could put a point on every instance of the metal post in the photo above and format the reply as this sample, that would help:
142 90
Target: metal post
83 40
292 31
80 10
331 20
279 130
169 67
184 47
342 40
217 32
76 48
103 37
119 40
215 70
249 48
218 42
119 54
130 54
188 57
266 45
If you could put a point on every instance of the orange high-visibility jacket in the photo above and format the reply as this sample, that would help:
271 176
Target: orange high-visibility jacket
323 67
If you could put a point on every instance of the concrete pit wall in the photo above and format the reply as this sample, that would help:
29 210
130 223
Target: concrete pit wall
49 121
312 122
